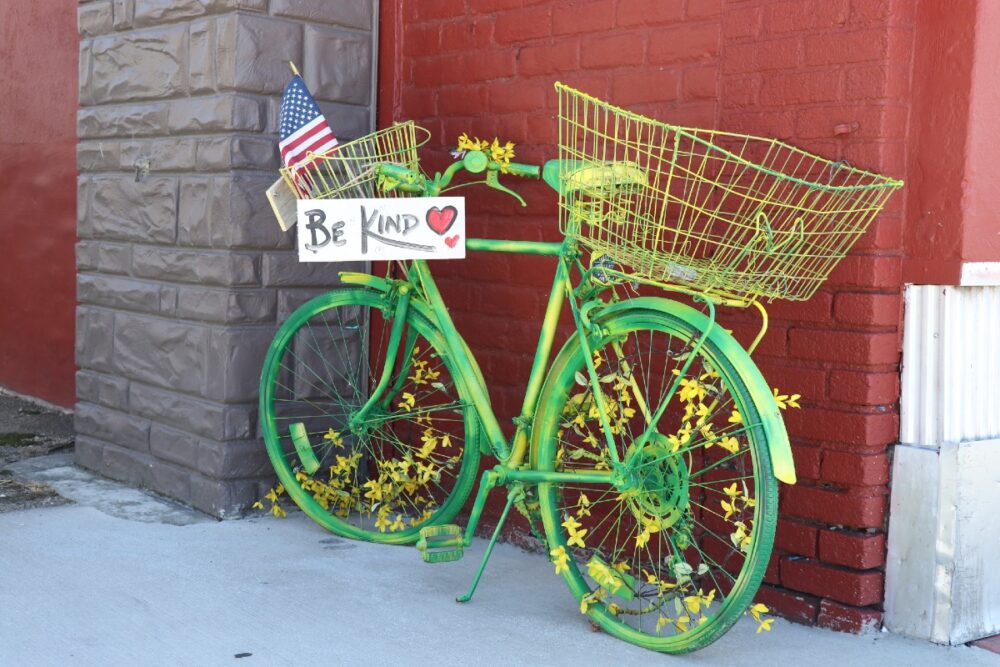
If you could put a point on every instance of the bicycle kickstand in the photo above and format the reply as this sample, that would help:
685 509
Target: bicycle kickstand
514 494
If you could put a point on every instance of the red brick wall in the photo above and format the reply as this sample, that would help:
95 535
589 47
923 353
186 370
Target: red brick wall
832 76
829 75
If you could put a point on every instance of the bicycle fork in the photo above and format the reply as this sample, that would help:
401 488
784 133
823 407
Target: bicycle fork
297 430
399 322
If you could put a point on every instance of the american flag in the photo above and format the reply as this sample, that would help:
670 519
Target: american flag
302 128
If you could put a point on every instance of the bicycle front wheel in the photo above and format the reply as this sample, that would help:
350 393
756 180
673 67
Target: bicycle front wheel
672 553
410 461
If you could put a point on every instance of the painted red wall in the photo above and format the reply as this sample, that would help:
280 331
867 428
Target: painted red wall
830 75
38 99
952 176
981 225
943 54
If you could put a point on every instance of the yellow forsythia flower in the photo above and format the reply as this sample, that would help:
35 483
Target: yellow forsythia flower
334 437
730 444
786 401
757 609
502 155
559 559
409 400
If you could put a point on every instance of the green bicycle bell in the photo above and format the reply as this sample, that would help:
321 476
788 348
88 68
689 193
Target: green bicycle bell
475 162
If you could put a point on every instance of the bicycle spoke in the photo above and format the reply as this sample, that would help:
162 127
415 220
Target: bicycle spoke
673 568
405 462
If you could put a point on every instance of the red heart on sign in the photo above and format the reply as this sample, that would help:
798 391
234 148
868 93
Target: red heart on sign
441 219
451 241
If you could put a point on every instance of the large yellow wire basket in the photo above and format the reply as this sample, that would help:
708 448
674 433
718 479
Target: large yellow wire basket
713 211
348 171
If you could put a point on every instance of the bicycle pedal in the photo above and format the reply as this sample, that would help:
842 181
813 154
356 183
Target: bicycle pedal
441 544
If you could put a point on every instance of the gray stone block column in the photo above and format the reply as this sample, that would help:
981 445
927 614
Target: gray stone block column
183 274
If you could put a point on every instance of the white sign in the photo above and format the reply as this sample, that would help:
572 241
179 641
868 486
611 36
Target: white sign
344 230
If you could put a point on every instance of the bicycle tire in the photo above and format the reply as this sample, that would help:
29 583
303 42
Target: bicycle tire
351 327
657 494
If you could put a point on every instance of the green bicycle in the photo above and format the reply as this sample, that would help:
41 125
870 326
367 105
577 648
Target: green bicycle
647 450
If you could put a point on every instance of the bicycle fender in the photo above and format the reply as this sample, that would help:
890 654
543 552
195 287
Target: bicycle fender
760 392
364 279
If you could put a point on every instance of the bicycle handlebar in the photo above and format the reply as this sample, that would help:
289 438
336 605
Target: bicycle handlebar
474 161
405 178
524 170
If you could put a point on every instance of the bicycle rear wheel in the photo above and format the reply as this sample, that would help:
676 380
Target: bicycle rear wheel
672 555
410 462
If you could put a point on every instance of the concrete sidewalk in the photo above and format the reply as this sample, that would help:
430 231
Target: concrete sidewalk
121 578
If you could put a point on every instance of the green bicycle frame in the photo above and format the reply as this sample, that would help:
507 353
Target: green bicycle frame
512 453
419 290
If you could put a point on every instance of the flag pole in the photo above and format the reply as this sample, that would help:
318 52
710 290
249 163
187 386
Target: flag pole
295 70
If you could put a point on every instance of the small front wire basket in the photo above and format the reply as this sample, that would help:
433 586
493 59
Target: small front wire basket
349 170
713 211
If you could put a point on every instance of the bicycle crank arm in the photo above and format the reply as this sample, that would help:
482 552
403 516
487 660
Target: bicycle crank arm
444 543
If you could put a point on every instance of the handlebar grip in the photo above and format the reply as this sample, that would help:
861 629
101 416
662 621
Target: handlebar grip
524 170
397 171
406 179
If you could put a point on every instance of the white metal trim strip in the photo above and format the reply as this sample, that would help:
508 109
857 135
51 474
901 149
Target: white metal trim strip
951 365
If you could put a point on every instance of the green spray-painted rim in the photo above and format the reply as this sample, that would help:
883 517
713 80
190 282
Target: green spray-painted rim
719 348
364 298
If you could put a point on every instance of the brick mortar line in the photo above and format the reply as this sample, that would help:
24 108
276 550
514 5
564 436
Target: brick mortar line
208 16
210 327
220 92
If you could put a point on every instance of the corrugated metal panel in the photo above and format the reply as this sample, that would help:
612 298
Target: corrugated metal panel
951 365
